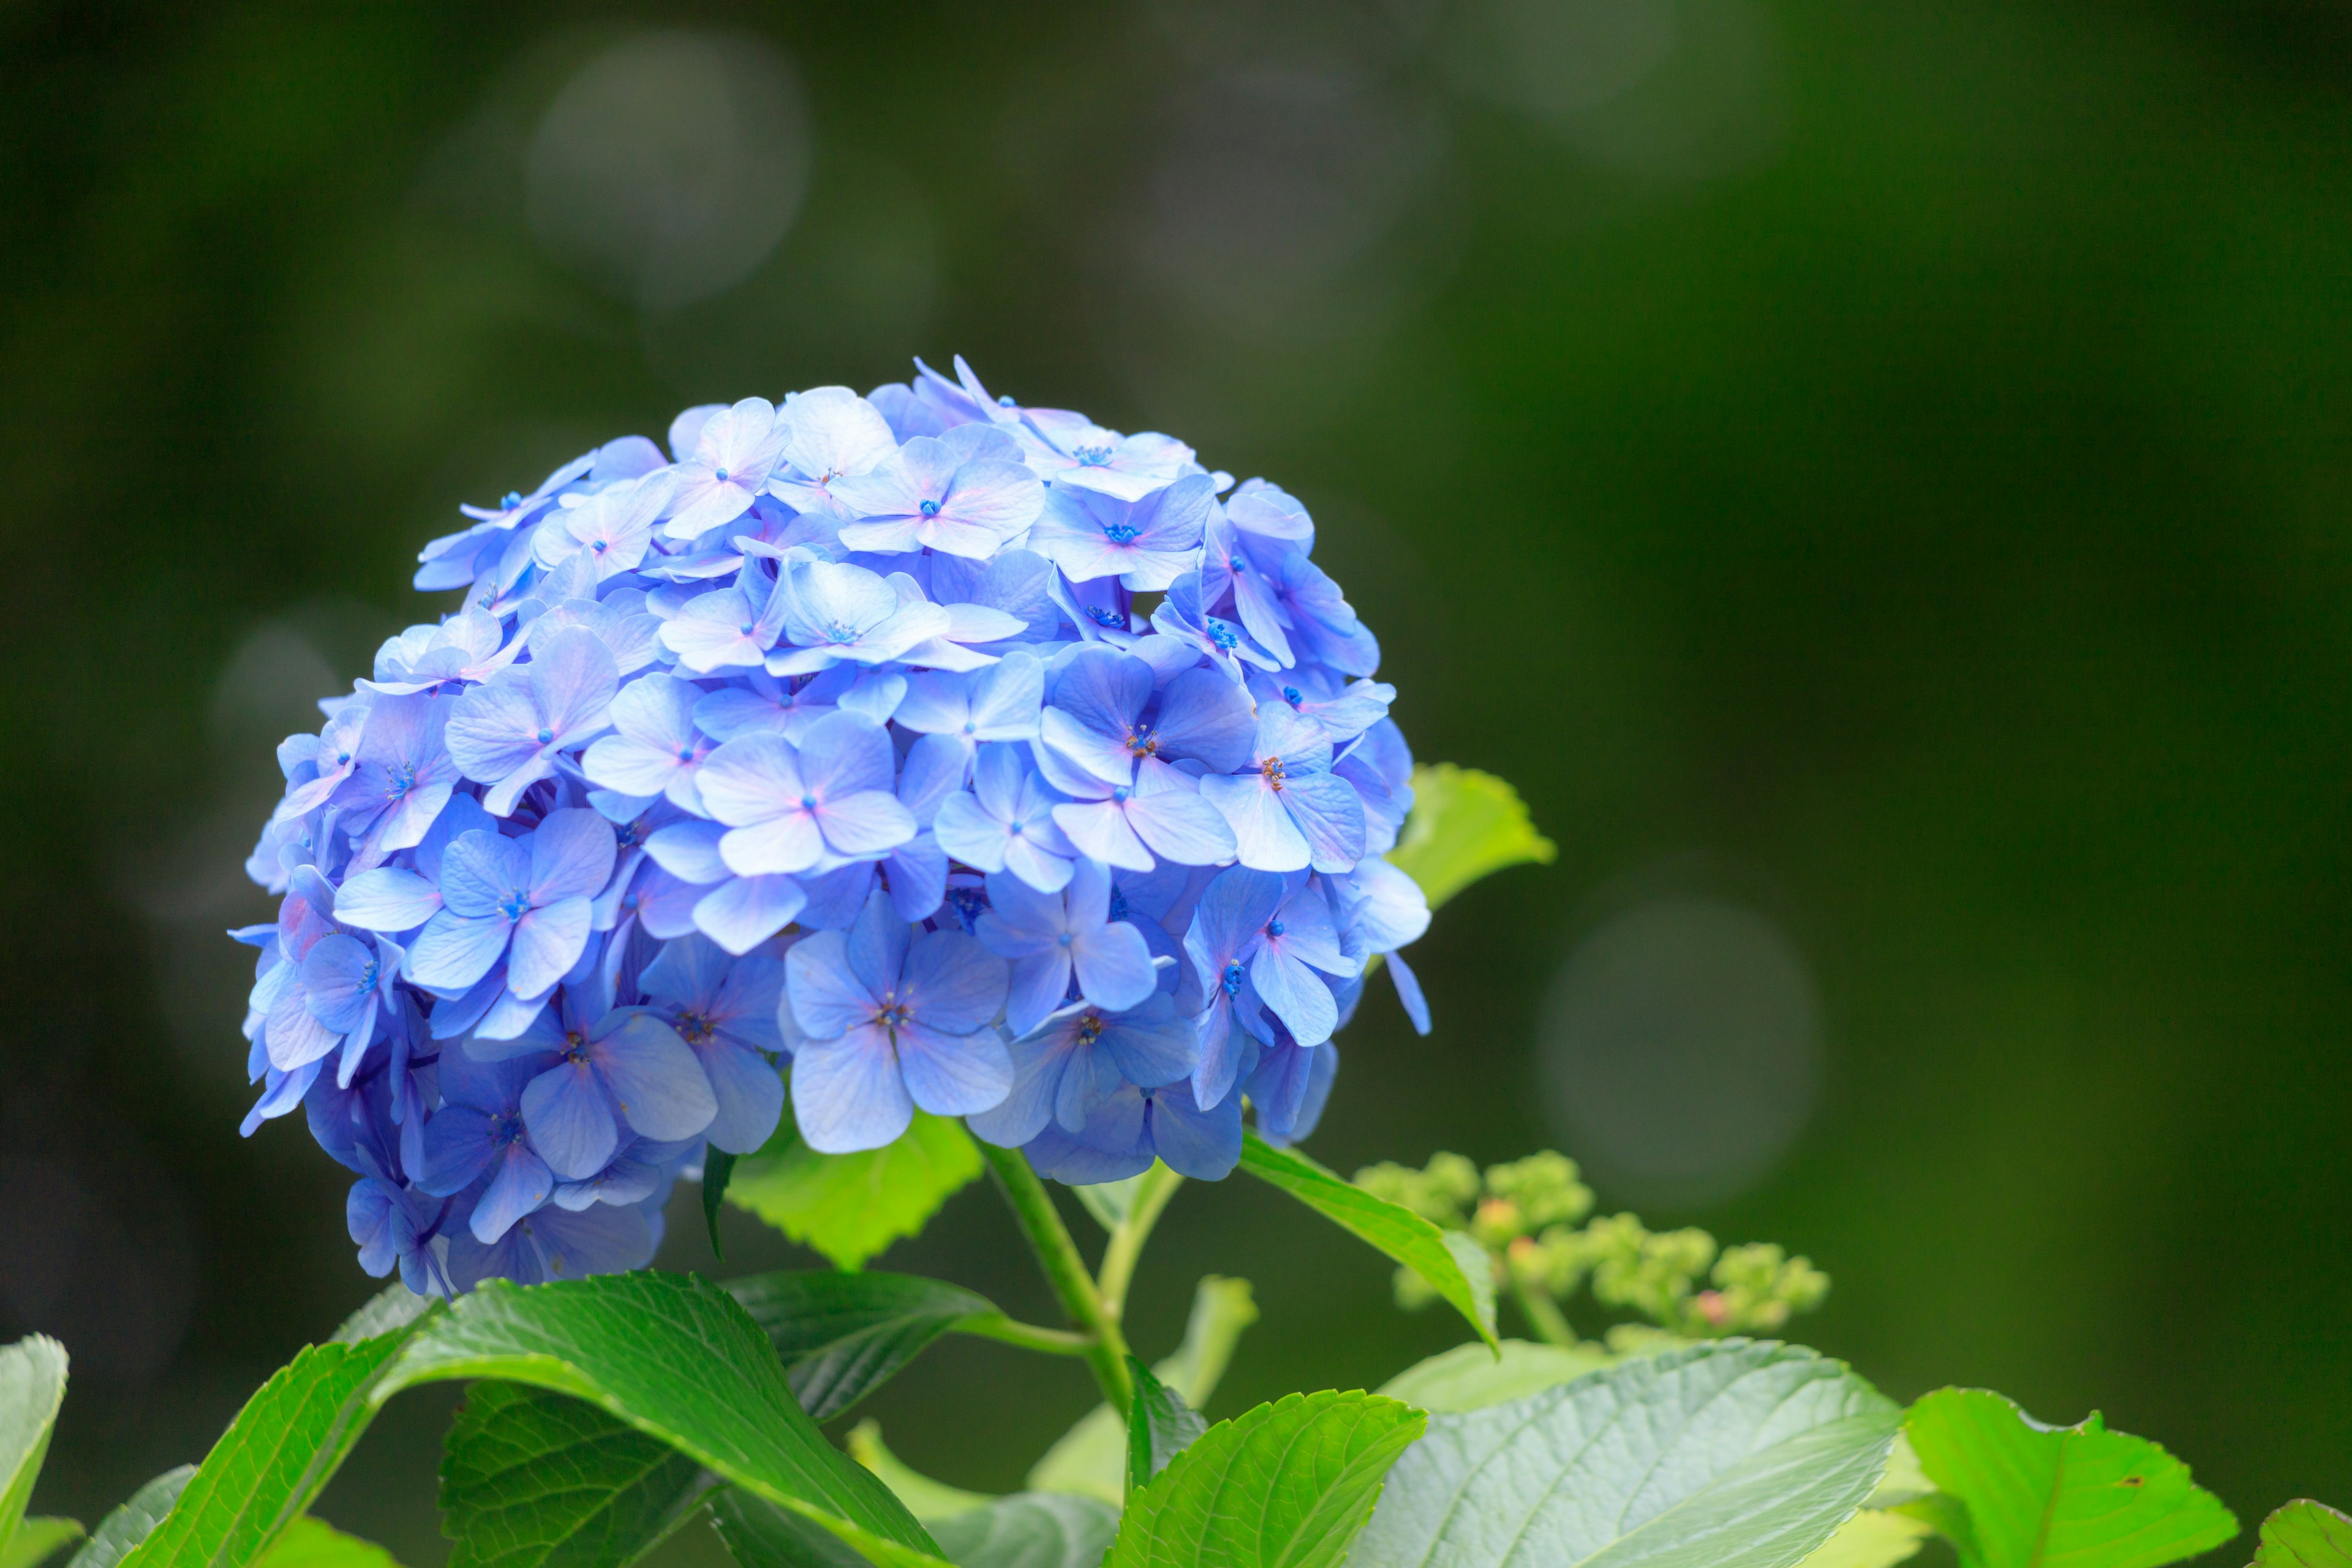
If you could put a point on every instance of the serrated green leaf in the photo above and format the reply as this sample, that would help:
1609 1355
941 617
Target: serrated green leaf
850 1207
1465 824
1873 1538
2080 1494
1471 1377
36 1537
535 1479
2305 1535
1735 1455
1455 1266
1287 1484
1031 1530
131 1521
388 1312
315 1543
1160 1425
844 1335
1090 1458
676 1357
32 1391
283 1447
718 1172
1108 1201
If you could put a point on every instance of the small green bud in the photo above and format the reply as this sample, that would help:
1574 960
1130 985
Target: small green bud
1544 1188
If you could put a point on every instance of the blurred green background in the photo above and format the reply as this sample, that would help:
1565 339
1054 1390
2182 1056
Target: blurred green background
1875 477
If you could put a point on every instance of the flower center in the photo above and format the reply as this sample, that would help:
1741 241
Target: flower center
513 499
1143 742
515 905
841 631
1292 695
1093 456
892 1015
808 803
720 475
1232 980
928 508
695 1027
1272 769
1102 617
545 735
1273 928
1091 1028
1223 635
1119 532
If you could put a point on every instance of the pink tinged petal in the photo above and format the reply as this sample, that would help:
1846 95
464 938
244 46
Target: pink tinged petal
999 498
293 1036
715 631
632 767
521 1186
751 779
657 1083
979 624
547 942
1295 994
1114 966
847 1093
876 946
571 856
826 999
1264 838
935 766
1100 828
571 1120
666 905
784 845
1106 756
953 1075
750 1093
1329 816
387 899
740 914
338 982
406 825
454 953
952 982
572 678
493 730
865 823
1182 826
844 753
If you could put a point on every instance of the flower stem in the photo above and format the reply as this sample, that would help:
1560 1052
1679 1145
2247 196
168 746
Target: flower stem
1543 1314
1066 1271
1028 1336
1125 1249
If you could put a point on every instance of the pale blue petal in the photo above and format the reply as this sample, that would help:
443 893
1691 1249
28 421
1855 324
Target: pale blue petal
953 1074
654 1080
387 899
570 1121
847 1094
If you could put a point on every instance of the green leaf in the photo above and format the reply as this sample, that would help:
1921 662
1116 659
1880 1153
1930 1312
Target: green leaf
2302 1534
1471 1377
1159 1426
674 1356
929 1500
534 1480
760 1534
1873 1538
130 1522
718 1170
1734 1454
1465 824
1455 1266
315 1543
844 1335
2080 1494
36 1539
32 1391
851 1207
1031 1530
388 1312
1289 1483
283 1447
1090 1458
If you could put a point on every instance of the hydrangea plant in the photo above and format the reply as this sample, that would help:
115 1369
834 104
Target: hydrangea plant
861 793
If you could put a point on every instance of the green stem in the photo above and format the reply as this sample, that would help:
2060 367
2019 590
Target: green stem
1066 1271
1125 1249
1543 1313
1028 1336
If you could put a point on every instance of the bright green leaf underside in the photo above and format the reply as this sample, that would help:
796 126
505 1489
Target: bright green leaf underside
1736 1455
1465 824
2080 1497
842 1335
1399 1232
1873 1538
1031 1530
36 1539
130 1522
1471 1377
2305 1534
31 1389
1289 1483
850 1207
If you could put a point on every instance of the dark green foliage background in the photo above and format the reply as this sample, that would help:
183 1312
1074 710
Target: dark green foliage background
1940 522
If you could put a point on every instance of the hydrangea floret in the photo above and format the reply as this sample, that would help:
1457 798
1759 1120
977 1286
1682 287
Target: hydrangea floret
911 751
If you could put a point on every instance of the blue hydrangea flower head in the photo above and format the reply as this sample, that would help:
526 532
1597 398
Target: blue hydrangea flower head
840 754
